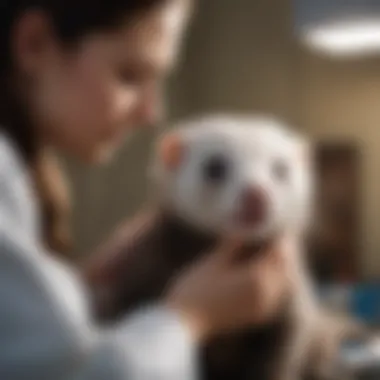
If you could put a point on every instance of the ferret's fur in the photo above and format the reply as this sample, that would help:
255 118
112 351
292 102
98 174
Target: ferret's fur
189 218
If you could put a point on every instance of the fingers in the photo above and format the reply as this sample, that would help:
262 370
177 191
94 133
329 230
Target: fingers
268 291
279 254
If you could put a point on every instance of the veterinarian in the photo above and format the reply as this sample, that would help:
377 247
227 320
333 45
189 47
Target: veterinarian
78 76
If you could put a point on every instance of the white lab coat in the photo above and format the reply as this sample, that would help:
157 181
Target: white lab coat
46 331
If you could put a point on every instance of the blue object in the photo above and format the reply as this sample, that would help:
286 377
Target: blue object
362 300
365 303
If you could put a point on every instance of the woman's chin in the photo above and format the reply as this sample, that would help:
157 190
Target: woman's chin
98 154
103 155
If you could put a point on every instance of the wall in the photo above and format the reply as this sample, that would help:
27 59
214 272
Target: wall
241 57
340 99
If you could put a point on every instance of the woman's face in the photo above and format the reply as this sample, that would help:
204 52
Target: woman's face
85 101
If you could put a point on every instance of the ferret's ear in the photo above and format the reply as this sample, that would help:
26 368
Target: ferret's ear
170 150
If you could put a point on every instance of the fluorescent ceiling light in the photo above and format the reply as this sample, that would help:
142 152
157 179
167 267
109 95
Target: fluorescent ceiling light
345 38
339 27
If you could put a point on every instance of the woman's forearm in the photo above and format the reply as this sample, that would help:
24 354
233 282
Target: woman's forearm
151 344
47 333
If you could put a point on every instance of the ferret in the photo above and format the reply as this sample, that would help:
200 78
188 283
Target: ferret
213 176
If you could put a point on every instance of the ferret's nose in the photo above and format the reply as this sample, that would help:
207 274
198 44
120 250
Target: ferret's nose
252 206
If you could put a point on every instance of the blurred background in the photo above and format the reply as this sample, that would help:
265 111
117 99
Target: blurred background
303 61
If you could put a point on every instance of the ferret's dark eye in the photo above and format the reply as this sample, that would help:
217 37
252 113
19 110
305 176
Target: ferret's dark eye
215 169
281 170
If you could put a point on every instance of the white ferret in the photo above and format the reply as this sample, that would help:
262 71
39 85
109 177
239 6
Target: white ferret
243 175
211 177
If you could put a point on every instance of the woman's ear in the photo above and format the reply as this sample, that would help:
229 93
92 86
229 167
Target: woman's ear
32 41
170 150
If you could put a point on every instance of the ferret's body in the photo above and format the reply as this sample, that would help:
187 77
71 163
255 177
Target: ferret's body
151 261
198 201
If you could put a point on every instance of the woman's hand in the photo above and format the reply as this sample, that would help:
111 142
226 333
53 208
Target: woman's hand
216 294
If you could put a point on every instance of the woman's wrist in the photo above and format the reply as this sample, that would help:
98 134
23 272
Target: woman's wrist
157 338
166 318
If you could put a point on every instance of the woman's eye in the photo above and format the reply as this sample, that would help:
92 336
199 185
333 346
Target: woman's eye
130 77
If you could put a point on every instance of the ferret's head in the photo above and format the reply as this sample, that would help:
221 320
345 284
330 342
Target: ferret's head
246 176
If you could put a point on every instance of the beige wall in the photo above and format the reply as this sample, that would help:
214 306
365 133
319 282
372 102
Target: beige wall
340 99
241 56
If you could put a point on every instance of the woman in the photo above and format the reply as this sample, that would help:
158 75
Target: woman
77 76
